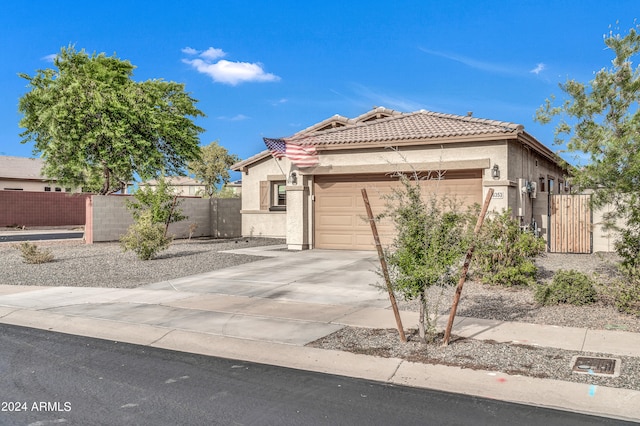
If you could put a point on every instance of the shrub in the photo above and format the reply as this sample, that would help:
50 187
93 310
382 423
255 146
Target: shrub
573 287
161 201
32 254
145 238
626 291
503 252
432 238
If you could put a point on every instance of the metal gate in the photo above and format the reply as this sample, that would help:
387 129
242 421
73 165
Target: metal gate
570 224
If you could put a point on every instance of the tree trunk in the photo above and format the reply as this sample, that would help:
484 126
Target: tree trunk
105 183
421 326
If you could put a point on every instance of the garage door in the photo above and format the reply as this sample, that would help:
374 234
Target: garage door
340 217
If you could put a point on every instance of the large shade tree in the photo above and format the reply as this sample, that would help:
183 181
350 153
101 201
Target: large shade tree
95 127
212 169
602 120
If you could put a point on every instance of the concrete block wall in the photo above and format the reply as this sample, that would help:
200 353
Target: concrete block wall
228 220
26 208
108 218
198 212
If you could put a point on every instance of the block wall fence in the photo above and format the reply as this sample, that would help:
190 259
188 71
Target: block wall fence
107 218
27 208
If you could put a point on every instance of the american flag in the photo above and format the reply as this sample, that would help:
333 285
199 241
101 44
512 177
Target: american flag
300 155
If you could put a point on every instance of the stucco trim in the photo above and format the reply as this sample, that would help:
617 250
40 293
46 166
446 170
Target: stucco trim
488 183
276 178
483 163
266 212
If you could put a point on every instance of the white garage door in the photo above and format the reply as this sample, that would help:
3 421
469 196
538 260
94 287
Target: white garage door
340 217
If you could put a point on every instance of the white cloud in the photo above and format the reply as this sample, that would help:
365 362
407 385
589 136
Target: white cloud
538 69
280 102
49 58
470 62
190 51
368 97
212 54
238 117
226 72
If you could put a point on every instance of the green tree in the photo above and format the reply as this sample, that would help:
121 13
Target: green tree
96 128
602 119
212 168
431 241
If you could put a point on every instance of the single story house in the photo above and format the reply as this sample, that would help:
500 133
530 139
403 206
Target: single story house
307 188
25 174
181 185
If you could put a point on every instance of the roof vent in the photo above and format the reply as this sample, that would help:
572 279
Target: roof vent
469 113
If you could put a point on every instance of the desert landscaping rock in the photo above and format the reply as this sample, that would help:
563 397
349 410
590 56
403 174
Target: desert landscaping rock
105 265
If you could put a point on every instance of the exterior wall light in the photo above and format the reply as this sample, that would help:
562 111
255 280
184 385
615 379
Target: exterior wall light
495 172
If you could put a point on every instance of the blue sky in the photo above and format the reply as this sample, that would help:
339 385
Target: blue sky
274 68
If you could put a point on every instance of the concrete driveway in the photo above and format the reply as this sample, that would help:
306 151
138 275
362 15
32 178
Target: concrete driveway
314 276
289 297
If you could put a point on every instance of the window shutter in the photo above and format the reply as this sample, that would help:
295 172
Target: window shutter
264 195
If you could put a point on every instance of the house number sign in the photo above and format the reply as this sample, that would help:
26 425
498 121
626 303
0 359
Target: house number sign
497 194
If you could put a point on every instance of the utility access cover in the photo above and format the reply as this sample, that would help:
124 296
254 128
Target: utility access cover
608 367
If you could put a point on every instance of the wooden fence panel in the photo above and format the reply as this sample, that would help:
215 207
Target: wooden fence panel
570 224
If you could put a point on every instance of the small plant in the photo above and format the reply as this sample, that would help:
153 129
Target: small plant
503 253
192 228
572 287
161 201
145 238
626 291
32 254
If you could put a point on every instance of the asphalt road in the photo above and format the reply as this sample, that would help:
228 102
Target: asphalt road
40 237
51 378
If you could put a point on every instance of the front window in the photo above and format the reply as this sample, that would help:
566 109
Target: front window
278 196
281 194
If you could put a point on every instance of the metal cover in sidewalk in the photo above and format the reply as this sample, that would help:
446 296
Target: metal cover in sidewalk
608 367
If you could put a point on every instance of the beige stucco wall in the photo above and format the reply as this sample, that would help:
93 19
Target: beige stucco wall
256 222
514 162
27 185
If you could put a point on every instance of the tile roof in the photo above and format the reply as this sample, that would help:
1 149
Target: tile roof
21 168
419 125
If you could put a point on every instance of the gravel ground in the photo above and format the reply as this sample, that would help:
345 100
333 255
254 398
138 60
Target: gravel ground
106 265
508 304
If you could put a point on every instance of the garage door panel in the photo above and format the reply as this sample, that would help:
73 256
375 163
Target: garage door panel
335 220
337 201
340 218
335 241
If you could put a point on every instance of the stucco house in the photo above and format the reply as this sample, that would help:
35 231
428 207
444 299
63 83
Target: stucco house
317 202
181 185
25 174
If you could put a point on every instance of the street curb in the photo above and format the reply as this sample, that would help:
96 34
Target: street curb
622 404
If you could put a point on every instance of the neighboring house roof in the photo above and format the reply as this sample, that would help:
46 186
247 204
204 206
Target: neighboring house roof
176 181
382 127
21 168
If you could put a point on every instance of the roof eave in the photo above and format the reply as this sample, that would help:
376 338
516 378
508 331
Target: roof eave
242 166
417 142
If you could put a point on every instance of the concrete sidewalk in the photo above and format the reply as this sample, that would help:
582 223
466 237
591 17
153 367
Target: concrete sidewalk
266 311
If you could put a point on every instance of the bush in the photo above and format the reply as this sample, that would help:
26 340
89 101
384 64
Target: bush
573 287
432 238
626 291
503 252
145 238
32 254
